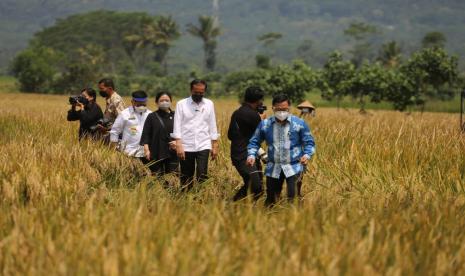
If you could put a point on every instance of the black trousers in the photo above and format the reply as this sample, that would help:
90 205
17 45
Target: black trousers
165 166
252 177
195 163
274 187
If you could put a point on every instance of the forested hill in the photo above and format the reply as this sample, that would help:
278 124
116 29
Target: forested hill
313 24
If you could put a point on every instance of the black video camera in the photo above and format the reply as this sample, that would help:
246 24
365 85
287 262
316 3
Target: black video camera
261 109
78 98
105 122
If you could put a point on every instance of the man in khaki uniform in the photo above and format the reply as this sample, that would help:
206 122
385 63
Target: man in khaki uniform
114 104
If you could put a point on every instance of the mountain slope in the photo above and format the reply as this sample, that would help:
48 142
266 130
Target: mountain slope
242 21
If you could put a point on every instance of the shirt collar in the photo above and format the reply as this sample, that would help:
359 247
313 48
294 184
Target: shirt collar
112 97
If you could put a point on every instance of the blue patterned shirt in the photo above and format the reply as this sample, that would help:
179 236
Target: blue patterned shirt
287 143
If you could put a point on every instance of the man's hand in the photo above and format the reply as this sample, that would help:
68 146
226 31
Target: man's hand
172 145
80 105
214 152
304 160
147 152
263 116
180 150
250 161
102 129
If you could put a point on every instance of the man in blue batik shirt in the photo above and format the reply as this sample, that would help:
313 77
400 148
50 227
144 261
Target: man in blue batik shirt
290 146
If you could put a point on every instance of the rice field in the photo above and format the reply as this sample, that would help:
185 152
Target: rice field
384 194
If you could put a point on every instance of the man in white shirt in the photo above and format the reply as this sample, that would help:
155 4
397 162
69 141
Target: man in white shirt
196 134
129 124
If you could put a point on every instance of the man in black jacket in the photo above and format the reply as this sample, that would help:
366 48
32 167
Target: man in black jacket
87 111
243 123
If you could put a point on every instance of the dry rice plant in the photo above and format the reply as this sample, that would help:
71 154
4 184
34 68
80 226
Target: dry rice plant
383 195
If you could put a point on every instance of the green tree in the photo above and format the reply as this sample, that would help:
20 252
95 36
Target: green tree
434 39
168 31
207 31
294 81
34 68
390 54
432 73
372 81
307 52
335 77
263 61
142 38
237 82
401 93
82 69
157 34
362 34
268 40
106 29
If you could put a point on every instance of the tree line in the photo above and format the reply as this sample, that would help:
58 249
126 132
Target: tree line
133 48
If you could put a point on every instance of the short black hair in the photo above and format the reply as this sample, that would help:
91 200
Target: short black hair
162 93
279 98
91 92
139 94
107 82
253 94
198 81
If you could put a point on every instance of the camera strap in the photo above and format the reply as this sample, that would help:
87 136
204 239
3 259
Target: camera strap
161 121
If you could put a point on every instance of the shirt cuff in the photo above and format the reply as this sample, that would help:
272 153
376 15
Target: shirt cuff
175 136
306 155
215 136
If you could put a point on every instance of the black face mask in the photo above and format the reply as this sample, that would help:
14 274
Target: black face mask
197 98
83 100
261 109
103 94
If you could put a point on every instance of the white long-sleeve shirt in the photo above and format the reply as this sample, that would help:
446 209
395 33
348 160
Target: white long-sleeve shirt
130 124
195 124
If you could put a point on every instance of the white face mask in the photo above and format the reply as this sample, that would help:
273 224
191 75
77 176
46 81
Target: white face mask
140 109
164 105
281 115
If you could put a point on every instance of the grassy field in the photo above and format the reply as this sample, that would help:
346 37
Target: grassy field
383 195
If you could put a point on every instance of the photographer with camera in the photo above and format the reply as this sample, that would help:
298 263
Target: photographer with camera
85 109
243 123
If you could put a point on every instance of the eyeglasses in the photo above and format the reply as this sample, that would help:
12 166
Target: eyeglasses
280 109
